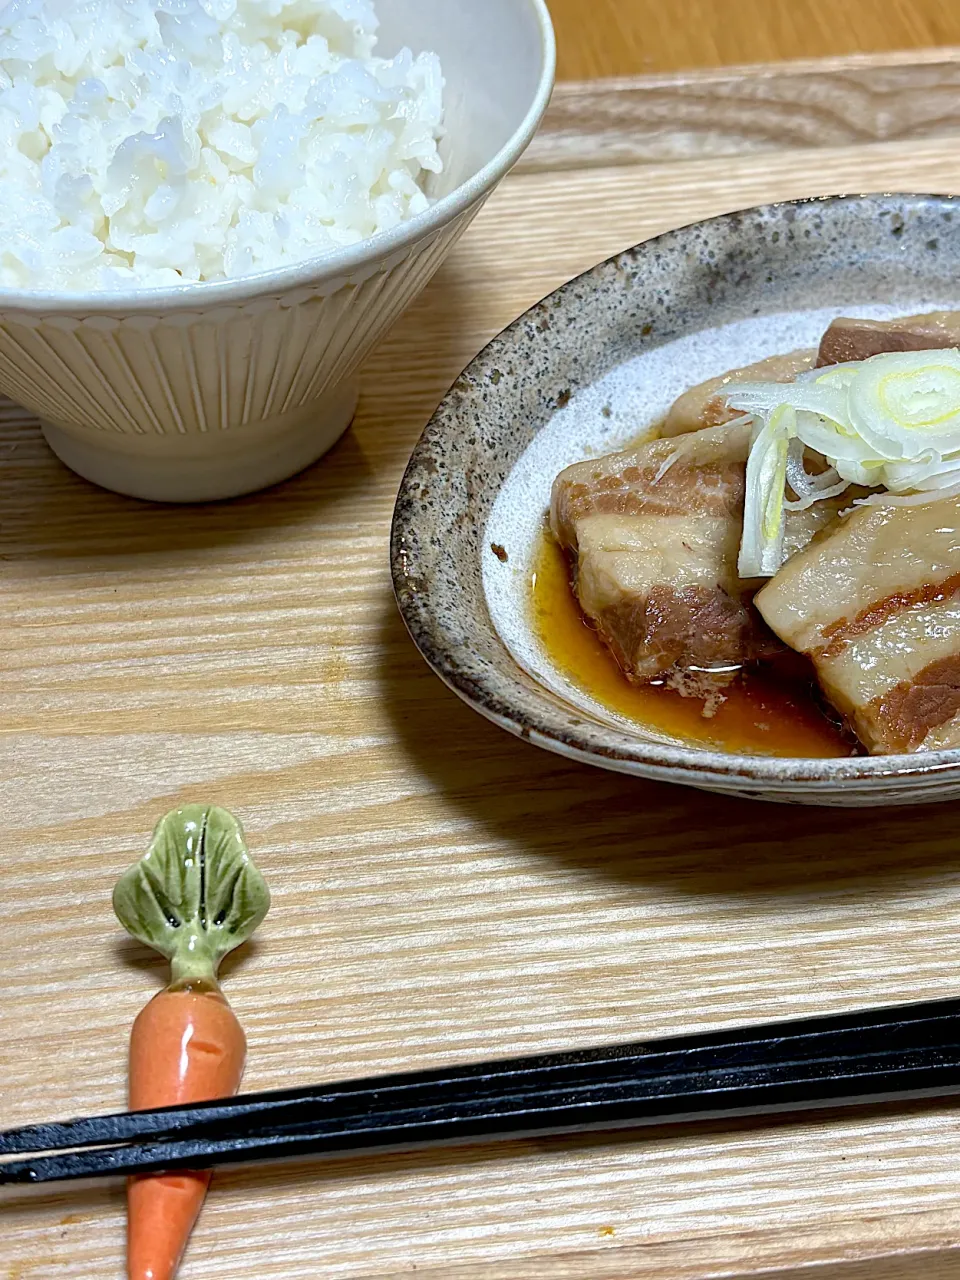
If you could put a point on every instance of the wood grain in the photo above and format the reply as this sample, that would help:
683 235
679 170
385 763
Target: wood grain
630 37
832 102
442 892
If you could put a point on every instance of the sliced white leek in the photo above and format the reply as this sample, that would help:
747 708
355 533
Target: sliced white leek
906 403
763 397
923 499
761 550
890 423
810 489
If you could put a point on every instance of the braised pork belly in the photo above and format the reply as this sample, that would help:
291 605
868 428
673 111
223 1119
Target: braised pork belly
875 603
867 595
653 534
847 340
704 405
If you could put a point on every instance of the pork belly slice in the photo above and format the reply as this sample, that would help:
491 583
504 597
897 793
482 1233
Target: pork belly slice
845 340
848 340
654 534
875 603
704 405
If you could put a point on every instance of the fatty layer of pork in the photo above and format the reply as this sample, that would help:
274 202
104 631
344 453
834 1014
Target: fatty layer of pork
704 405
875 603
654 534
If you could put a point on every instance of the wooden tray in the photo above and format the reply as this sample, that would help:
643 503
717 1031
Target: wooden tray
441 891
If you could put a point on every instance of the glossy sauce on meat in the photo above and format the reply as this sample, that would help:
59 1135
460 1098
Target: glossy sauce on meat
875 604
763 713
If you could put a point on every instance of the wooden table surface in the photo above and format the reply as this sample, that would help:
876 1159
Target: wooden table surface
598 38
443 892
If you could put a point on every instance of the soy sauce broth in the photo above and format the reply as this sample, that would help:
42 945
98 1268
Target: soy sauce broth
765 712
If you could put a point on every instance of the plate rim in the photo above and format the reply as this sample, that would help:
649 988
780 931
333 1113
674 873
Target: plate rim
664 761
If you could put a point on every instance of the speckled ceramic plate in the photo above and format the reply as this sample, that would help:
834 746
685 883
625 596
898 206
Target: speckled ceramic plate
582 373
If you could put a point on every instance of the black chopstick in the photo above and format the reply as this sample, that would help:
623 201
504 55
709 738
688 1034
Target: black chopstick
850 1059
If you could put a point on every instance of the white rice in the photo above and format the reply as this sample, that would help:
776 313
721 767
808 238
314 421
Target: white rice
148 143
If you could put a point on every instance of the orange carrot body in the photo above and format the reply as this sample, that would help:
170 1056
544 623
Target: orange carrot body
186 1046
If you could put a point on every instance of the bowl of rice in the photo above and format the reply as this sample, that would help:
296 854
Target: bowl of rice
214 209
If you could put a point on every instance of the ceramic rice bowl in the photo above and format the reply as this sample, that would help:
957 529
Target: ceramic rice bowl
215 389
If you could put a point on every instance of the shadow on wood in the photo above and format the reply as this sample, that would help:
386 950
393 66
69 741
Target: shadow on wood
607 822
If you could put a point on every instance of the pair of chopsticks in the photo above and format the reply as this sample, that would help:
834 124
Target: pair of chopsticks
872 1056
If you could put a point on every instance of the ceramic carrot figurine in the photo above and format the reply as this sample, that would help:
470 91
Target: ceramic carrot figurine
193 896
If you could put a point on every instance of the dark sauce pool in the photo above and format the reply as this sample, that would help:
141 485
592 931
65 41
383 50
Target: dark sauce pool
768 711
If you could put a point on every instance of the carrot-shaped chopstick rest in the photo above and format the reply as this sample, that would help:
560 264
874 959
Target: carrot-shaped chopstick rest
193 896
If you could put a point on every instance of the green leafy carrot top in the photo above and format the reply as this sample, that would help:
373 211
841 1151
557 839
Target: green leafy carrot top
195 894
